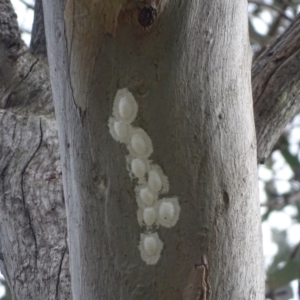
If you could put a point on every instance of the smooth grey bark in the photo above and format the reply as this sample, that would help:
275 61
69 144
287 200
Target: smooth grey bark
276 88
190 74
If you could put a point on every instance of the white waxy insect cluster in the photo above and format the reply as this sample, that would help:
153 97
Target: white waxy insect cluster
149 216
138 168
151 181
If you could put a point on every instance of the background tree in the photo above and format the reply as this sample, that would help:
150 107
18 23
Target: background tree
281 195
33 220
39 103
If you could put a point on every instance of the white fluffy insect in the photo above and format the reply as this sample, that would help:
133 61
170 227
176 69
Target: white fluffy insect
121 129
138 168
150 247
125 106
154 181
140 144
149 216
147 196
151 179
157 180
168 211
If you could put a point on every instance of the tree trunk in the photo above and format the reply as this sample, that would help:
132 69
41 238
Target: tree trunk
276 88
34 255
189 73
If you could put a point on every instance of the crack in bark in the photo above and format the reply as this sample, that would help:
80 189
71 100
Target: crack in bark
20 82
14 131
27 212
31 68
59 272
68 50
2 174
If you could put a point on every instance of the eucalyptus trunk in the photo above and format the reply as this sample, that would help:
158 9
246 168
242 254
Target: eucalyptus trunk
187 64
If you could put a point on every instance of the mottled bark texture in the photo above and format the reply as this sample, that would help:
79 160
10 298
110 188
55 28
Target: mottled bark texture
32 212
33 235
276 88
190 74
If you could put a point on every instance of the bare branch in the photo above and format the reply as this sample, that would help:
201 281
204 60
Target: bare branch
27 4
277 22
278 202
262 40
273 7
38 39
24 30
276 88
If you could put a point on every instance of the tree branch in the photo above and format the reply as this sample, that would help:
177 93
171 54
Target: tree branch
277 22
38 39
262 40
276 88
27 4
273 7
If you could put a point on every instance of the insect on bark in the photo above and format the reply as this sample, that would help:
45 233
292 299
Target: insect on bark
147 16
